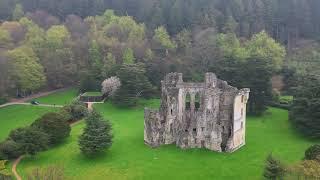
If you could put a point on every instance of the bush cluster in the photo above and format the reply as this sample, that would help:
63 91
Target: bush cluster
46 131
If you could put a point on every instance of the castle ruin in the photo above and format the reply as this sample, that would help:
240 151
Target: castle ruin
208 115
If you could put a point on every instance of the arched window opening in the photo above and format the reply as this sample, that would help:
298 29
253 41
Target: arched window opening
197 102
188 102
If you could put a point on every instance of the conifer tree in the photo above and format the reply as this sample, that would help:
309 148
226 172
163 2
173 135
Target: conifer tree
97 135
273 169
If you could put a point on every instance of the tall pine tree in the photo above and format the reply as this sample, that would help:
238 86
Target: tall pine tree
97 135
273 169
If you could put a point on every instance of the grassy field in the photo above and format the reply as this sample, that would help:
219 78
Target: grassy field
15 116
130 159
59 98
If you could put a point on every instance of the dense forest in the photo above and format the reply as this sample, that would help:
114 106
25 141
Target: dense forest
53 44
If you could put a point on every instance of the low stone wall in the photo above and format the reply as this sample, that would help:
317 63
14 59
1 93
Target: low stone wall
91 98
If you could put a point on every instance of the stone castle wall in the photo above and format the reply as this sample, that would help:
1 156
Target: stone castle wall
198 115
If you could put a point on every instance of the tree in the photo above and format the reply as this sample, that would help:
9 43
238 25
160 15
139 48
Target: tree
55 125
75 110
263 47
304 112
110 86
134 84
57 57
313 153
10 149
273 169
17 12
96 136
128 56
162 37
31 140
25 70
95 58
5 38
265 58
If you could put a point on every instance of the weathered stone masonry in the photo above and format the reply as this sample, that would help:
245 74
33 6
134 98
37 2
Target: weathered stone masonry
208 115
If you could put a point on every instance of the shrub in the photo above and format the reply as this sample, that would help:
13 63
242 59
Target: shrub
313 153
76 110
9 149
51 172
97 135
273 168
55 125
31 140
308 169
3 100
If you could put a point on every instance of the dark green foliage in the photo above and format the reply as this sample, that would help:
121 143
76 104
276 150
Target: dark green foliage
134 84
3 100
55 125
305 110
31 140
75 110
89 83
313 153
273 169
9 149
256 77
97 135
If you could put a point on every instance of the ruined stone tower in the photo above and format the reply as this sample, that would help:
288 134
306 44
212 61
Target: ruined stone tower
208 115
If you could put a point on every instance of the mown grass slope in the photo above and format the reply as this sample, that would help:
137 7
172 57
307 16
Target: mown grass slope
130 159
59 98
15 116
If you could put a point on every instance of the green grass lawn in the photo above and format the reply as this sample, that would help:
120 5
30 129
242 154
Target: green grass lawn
59 98
92 94
130 159
286 99
15 116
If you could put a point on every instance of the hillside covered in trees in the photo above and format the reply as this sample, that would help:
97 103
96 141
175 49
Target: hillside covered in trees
53 44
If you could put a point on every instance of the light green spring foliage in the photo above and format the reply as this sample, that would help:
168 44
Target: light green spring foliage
230 45
17 12
305 60
110 60
149 54
3 170
128 56
130 30
57 35
262 46
161 36
35 36
25 71
5 38
94 55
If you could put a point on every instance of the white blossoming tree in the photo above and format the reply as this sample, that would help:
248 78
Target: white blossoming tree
110 86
